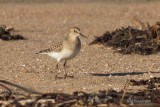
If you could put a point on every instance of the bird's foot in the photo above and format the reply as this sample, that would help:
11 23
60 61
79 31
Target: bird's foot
64 77
59 77
68 76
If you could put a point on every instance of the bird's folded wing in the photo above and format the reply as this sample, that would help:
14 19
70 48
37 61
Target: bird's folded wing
56 48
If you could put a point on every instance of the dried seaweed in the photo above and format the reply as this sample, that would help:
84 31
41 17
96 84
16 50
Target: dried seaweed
150 95
145 82
7 33
127 40
152 92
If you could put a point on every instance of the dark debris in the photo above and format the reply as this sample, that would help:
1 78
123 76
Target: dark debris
152 92
102 98
129 40
7 33
145 82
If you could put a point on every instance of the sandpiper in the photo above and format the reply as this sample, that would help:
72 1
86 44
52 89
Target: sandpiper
66 49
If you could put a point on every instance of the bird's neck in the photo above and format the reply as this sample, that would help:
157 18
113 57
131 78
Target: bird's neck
73 38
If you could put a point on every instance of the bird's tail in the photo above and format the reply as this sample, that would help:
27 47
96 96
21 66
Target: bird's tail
40 52
43 51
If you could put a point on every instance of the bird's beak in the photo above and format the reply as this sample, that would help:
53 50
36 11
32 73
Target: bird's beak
82 35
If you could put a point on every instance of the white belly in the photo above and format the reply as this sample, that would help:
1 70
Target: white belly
64 54
67 53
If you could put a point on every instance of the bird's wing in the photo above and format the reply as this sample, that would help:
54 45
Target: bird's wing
56 48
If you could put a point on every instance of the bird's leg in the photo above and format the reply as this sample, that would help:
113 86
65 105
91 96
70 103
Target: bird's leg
64 66
57 67
66 75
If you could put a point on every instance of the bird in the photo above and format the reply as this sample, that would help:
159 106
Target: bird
65 50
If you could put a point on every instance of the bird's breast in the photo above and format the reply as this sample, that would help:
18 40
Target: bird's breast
72 50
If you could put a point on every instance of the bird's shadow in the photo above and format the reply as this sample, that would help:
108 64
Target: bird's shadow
120 74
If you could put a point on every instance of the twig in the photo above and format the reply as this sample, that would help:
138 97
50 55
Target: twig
20 87
124 91
65 102
10 92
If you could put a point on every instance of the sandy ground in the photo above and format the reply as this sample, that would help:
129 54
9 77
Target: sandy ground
48 23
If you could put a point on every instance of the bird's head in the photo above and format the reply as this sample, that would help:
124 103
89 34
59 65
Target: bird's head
75 31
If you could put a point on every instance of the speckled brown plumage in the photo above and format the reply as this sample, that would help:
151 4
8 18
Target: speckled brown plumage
67 49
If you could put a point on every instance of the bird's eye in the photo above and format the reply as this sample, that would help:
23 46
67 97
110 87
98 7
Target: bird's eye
75 31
